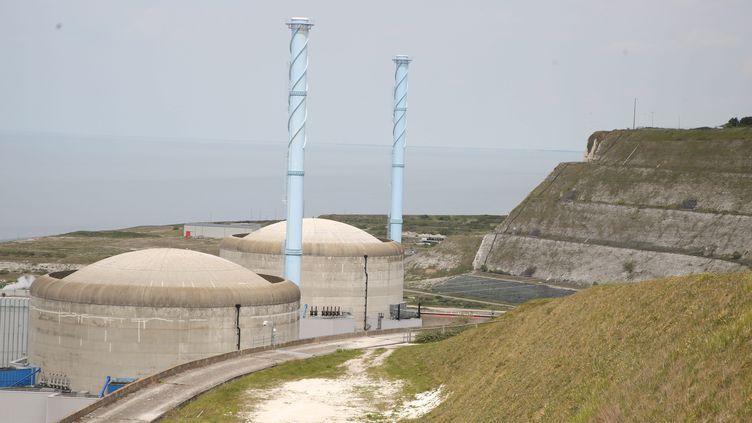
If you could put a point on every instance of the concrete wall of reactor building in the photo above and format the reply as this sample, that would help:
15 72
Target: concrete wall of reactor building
88 342
336 281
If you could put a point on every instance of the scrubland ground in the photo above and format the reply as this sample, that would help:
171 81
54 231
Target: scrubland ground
69 251
344 387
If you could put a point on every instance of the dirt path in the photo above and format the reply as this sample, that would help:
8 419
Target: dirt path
354 396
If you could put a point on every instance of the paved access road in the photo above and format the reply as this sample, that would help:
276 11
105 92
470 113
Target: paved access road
152 402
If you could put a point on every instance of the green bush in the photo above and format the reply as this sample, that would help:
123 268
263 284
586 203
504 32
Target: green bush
435 335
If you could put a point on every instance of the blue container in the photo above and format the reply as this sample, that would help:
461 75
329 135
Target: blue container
18 377
118 382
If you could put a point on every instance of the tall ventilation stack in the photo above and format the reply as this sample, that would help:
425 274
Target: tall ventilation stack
296 105
398 146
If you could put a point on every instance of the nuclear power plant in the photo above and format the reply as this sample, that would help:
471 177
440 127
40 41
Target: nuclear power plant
138 313
343 272
336 258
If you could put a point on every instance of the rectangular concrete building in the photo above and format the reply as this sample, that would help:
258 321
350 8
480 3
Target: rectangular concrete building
217 230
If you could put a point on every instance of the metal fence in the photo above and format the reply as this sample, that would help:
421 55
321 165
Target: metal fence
14 329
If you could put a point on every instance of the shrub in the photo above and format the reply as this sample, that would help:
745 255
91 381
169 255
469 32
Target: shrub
570 196
435 335
529 271
734 122
688 204
628 266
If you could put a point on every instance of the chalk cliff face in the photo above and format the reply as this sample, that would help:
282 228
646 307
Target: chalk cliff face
644 204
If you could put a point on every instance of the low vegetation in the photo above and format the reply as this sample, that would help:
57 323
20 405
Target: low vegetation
84 247
375 224
674 349
734 122
228 402
453 256
439 334
437 300
111 234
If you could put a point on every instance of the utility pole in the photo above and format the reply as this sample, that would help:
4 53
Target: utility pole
634 114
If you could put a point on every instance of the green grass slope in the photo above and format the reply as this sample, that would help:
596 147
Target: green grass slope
729 149
676 349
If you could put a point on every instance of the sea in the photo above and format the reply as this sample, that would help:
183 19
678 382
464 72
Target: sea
51 184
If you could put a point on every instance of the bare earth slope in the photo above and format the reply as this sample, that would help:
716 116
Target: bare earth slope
645 204
675 349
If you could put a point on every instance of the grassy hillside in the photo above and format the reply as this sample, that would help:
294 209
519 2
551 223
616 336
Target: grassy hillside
449 225
728 149
676 349
84 247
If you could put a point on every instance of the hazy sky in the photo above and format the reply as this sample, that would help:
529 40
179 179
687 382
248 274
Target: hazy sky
513 74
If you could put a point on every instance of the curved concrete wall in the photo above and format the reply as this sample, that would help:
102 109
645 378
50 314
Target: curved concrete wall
336 280
88 342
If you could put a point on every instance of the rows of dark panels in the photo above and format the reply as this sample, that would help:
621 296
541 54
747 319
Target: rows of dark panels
497 290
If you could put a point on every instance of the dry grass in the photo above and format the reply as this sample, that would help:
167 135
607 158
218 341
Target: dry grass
676 349
454 256
86 247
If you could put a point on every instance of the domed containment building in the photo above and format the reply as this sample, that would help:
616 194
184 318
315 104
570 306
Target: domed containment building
137 313
333 269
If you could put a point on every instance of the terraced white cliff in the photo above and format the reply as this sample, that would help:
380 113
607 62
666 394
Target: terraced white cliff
644 204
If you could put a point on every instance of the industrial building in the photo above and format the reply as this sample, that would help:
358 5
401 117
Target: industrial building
217 230
136 313
336 258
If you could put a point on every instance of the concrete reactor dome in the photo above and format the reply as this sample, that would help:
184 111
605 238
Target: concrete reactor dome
165 277
140 312
333 266
321 237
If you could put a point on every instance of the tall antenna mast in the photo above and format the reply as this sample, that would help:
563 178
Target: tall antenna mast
634 113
